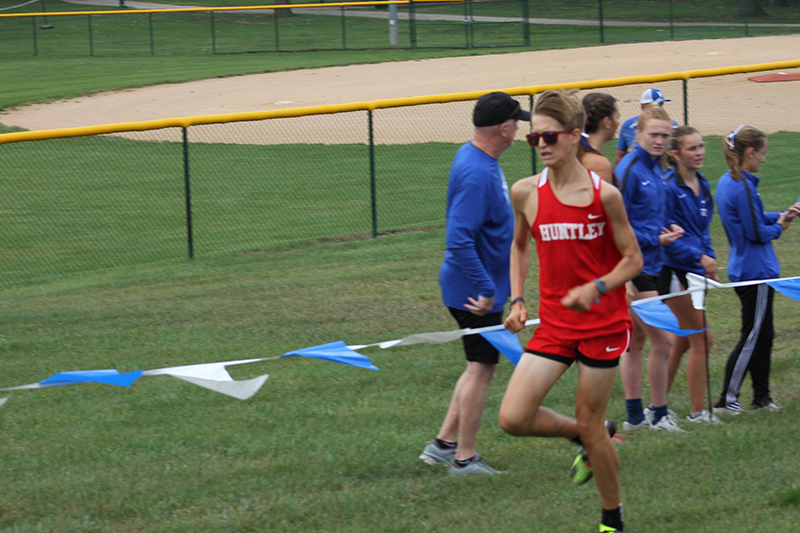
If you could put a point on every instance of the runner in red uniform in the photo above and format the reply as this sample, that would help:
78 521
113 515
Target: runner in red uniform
587 251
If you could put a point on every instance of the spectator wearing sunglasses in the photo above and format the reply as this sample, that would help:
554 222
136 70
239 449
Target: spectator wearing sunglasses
638 177
602 122
586 251
474 276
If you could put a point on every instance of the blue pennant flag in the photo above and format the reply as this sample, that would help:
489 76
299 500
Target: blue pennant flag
788 287
658 315
338 352
108 377
506 342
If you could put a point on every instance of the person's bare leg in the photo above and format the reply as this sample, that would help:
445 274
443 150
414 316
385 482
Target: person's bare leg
591 401
691 318
631 363
521 413
463 417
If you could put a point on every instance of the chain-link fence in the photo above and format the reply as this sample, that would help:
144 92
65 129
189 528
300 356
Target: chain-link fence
92 198
381 25
300 27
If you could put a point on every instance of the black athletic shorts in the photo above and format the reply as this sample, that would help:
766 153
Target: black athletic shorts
477 348
645 282
671 280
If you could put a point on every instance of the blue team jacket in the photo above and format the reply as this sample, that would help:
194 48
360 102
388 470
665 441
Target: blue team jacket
749 229
693 214
480 228
638 177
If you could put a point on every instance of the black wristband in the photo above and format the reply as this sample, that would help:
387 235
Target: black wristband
515 300
602 288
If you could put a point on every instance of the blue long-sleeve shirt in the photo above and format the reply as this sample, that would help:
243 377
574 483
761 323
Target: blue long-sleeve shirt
638 177
693 214
480 228
750 230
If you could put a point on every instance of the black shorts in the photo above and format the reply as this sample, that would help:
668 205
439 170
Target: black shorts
645 282
478 349
671 280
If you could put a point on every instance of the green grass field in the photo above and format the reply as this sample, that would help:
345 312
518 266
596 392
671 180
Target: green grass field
322 447
326 447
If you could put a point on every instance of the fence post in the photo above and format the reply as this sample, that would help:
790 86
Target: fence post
671 22
91 37
213 35
152 39
344 31
526 27
187 193
533 150
468 38
412 24
686 102
35 40
277 39
746 25
372 175
600 20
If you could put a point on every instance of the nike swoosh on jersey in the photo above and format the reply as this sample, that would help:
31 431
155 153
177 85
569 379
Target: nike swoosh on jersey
682 196
592 217
646 182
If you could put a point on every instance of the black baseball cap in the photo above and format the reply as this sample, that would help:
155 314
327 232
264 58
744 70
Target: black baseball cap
497 107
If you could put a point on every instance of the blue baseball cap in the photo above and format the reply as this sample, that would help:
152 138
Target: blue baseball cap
653 96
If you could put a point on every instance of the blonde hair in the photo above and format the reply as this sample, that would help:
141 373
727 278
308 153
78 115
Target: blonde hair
562 106
736 143
652 113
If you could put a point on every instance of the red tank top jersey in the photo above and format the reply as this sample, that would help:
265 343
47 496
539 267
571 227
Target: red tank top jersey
575 245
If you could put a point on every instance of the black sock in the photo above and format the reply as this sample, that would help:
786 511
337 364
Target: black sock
443 444
577 440
465 462
613 518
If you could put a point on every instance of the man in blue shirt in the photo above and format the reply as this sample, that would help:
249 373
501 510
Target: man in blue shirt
627 132
474 276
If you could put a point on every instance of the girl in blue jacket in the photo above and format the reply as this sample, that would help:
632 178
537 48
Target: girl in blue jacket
688 204
750 231
638 176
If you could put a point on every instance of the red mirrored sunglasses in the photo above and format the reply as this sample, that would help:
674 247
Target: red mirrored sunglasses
550 137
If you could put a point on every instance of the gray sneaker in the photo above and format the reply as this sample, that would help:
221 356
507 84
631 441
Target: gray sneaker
650 414
703 417
732 409
771 407
433 454
666 424
475 467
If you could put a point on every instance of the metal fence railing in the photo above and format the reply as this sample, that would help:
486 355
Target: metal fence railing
270 28
89 198
379 25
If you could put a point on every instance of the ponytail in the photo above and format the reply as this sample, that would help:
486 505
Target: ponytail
736 143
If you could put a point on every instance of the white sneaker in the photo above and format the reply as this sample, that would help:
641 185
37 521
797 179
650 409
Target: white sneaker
650 414
627 426
703 417
731 409
772 407
666 424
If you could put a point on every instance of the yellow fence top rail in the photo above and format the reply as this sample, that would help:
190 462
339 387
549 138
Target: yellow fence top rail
203 9
186 122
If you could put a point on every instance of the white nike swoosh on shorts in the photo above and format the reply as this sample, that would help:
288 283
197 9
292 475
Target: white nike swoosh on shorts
610 349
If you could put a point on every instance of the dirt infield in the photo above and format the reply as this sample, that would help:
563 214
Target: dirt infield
715 104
